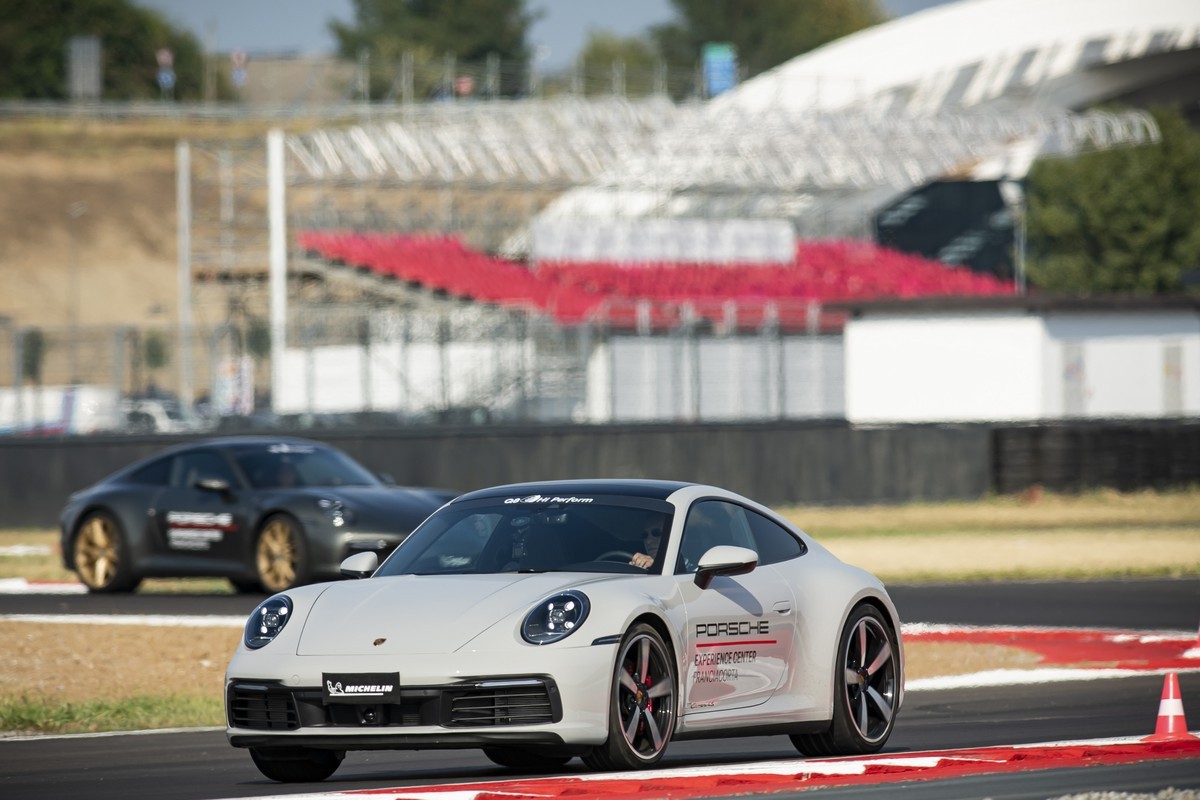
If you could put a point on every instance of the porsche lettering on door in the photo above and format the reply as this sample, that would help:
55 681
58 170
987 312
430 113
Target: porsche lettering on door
734 662
187 530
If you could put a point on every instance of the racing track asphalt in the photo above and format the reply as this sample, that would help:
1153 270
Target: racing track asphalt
201 766
1130 604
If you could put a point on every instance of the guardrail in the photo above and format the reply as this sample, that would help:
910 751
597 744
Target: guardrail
830 463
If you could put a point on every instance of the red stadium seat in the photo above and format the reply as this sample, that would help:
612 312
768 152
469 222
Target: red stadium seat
576 292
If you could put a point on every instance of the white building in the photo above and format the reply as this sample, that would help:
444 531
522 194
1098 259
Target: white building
1022 359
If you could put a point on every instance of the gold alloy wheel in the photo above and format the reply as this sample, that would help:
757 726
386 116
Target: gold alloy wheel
278 555
96 552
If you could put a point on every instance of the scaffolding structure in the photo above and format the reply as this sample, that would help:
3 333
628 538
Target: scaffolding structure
484 171
826 171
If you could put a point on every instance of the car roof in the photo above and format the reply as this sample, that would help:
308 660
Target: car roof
659 490
241 442
257 441
216 442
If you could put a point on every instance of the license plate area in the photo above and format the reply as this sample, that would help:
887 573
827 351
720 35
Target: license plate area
360 688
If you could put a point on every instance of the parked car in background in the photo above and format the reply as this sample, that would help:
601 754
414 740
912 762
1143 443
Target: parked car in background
598 619
160 415
268 513
58 410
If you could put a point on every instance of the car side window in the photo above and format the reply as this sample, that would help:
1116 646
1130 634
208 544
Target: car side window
188 468
156 473
773 542
710 523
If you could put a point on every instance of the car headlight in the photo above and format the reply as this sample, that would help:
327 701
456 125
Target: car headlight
267 621
555 618
336 511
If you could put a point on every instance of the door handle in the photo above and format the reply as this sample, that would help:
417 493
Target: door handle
783 607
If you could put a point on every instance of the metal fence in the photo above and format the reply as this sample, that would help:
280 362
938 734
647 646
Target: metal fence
444 362
286 86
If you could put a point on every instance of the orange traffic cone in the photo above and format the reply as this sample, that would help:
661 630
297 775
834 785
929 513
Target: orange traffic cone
1171 724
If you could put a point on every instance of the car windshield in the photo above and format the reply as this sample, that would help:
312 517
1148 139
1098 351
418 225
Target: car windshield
286 466
536 534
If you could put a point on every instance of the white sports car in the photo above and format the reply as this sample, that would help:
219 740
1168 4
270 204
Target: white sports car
599 619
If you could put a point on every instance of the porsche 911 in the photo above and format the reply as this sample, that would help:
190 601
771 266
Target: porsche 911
267 513
595 619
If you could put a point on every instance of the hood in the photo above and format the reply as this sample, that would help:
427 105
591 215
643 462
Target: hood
380 506
420 613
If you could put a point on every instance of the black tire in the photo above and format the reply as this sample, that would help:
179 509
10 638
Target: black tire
101 555
296 764
525 760
641 706
280 554
246 585
866 686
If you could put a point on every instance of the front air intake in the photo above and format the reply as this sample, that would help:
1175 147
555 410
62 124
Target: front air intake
499 703
262 708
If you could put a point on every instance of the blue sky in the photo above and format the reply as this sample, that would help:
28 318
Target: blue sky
262 26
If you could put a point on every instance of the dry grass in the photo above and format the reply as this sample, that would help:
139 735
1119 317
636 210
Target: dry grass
1018 555
83 136
1032 511
77 663
1102 534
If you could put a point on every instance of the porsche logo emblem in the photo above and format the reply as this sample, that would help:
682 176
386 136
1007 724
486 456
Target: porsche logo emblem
379 641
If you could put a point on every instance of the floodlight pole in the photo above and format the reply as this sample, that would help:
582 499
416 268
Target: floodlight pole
277 221
1014 197
183 222
75 212
1021 250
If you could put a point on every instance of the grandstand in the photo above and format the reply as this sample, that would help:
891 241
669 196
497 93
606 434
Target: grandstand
528 207
652 296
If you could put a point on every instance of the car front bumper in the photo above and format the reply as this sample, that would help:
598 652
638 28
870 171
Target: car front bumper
460 700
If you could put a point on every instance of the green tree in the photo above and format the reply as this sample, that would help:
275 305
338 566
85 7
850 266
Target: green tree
258 338
33 355
637 56
33 49
470 30
765 33
1119 221
155 353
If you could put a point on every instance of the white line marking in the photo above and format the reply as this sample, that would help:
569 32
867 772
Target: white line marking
46 737
1119 634
1026 677
148 620
22 586
19 550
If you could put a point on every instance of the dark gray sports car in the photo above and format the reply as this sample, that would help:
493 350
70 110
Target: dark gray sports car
267 513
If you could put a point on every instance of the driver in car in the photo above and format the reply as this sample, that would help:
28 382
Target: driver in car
651 539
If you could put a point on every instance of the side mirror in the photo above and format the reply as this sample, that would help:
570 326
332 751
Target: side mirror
217 485
386 478
360 565
724 559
